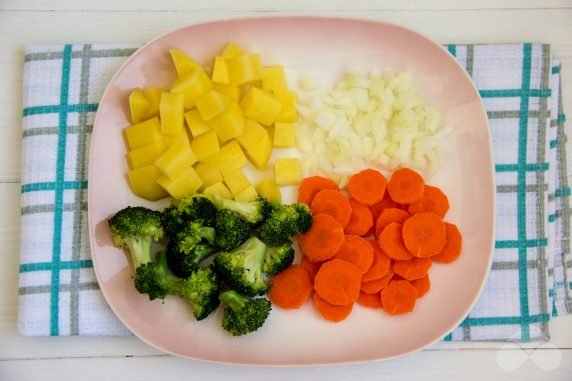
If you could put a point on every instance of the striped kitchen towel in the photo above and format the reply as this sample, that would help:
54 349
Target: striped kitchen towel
531 277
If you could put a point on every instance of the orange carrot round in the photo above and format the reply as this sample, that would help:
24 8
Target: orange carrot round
424 234
391 242
406 186
338 282
356 251
399 297
389 215
373 286
380 266
334 203
452 249
310 187
422 285
331 312
291 288
367 186
433 200
361 219
324 238
310 267
370 300
415 268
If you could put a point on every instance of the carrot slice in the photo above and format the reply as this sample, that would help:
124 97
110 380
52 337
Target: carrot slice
291 288
424 234
433 200
338 282
332 312
387 202
406 186
324 238
422 285
367 186
389 215
391 242
310 187
374 286
356 251
452 249
415 268
399 297
310 267
381 265
334 203
370 300
361 219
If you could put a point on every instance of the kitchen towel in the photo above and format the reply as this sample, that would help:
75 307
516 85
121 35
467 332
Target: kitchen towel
531 276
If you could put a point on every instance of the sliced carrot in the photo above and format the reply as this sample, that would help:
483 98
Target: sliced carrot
324 238
310 267
291 288
370 300
334 203
387 202
361 219
356 251
367 186
424 234
380 266
406 186
433 200
310 187
415 268
389 215
399 297
452 249
373 286
422 285
338 282
391 242
332 312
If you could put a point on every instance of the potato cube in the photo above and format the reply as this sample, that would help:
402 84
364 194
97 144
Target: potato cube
169 140
144 156
288 112
236 181
212 104
188 183
229 158
153 95
193 85
142 134
195 123
205 145
260 106
247 194
274 78
183 63
284 135
143 183
269 190
171 112
244 69
220 71
175 160
209 173
259 153
229 124
233 92
232 50
218 189
251 134
138 105
287 171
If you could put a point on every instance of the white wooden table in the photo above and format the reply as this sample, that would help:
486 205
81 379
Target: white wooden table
25 22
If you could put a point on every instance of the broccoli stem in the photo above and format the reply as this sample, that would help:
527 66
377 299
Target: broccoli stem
140 250
233 299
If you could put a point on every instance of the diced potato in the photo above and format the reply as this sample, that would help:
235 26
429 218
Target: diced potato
142 134
218 189
260 106
288 112
269 190
287 171
171 112
138 106
175 160
247 194
236 181
205 145
196 124
188 183
220 71
193 85
232 50
153 95
233 92
284 135
143 183
146 155
172 139
259 153
183 63
229 158
244 69
209 173
229 124
212 104
252 133
274 78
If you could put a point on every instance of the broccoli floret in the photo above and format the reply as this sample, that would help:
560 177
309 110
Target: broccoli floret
285 221
153 279
278 258
242 268
304 217
253 212
184 264
192 234
198 207
243 315
135 228
201 291
231 230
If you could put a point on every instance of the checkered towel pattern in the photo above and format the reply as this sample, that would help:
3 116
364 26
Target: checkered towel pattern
531 275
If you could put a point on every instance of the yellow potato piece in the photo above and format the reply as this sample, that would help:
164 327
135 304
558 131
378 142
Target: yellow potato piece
138 105
153 95
212 104
209 173
259 153
218 189
244 69
193 85
233 92
143 183
183 63
220 71
175 160
236 181
288 112
186 184
229 124
146 155
274 78
251 134
284 135
247 194
232 50
287 171
172 114
142 134
172 139
197 126
260 106
229 158
269 190
205 145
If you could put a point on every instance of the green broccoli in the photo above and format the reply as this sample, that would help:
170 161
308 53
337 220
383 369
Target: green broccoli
243 315
135 228
278 259
231 230
184 264
242 268
192 234
196 208
252 212
153 279
285 221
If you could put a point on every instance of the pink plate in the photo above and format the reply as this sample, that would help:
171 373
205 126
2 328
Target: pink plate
324 47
